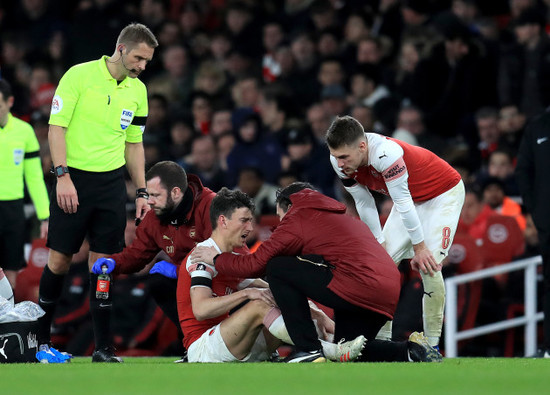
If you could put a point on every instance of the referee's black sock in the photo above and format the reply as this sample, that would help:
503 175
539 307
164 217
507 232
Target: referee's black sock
101 315
51 286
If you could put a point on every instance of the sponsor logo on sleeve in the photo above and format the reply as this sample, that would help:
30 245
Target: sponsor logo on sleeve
396 170
57 104
126 118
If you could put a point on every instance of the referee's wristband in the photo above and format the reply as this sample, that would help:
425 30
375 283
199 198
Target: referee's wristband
142 193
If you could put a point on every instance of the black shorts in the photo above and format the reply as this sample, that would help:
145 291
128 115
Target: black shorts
100 216
12 234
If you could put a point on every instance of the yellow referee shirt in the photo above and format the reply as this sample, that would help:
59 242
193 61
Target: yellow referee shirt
100 115
20 159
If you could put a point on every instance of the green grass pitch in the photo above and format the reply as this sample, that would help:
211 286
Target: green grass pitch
465 376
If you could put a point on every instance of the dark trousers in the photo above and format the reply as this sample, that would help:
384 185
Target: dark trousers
292 281
546 298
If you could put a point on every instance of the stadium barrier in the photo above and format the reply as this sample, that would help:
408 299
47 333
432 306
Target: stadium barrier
529 320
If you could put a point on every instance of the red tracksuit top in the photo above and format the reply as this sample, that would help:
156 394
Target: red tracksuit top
364 273
176 241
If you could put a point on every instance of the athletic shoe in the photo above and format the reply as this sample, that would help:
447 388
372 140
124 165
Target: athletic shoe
47 354
306 356
541 353
182 359
344 351
420 350
106 354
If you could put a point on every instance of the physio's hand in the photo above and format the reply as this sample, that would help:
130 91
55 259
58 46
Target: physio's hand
67 198
263 294
167 269
323 324
109 262
424 260
203 254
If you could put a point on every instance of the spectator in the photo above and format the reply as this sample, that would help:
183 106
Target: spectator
221 122
450 83
254 149
494 196
309 160
411 129
334 100
331 72
182 134
225 143
511 123
203 162
367 87
328 43
527 90
210 79
319 121
272 37
501 165
252 182
474 214
304 84
274 108
175 81
364 116
488 133
201 110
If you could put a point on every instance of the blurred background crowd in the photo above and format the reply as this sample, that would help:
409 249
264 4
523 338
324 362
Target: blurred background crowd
242 92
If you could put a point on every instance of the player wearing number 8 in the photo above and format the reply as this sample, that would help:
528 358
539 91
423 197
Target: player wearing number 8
427 193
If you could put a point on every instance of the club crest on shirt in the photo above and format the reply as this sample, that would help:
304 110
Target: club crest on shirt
192 232
18 155
126 118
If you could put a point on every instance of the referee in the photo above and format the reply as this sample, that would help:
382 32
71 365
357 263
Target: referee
19 159
97 119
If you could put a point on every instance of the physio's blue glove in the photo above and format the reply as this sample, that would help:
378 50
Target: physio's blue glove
167 269
96 268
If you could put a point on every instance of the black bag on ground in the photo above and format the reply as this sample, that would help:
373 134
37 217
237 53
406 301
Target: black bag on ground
18 342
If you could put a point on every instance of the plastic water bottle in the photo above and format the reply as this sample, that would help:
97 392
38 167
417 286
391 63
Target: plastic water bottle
103 284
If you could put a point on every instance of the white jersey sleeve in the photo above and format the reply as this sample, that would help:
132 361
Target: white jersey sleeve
202 273
364 202
386 157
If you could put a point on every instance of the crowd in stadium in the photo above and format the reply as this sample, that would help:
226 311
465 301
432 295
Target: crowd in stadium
241 93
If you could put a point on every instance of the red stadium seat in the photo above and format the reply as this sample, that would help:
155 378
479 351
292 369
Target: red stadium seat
467 256
502 240
28 279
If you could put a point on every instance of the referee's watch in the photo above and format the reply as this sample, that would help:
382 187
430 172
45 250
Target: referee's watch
142 193
60 171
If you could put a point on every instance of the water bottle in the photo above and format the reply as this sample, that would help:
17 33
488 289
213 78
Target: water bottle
103 284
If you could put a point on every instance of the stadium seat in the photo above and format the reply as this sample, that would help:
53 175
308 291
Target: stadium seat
28 279
466 257
502 240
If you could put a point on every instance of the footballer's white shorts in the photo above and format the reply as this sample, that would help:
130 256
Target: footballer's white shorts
439 219
210 347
